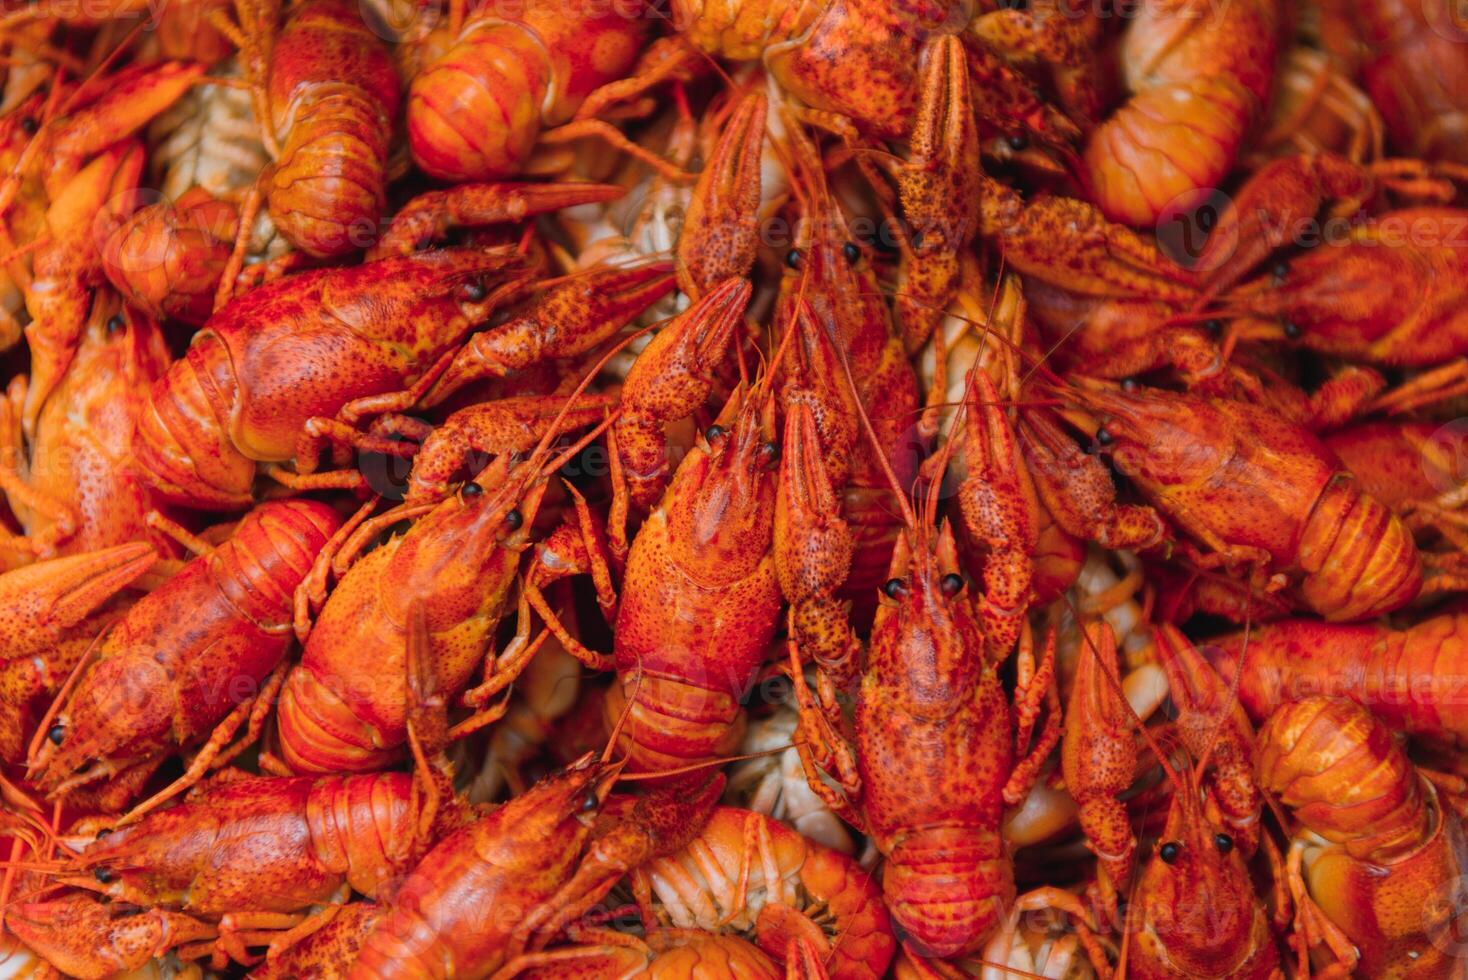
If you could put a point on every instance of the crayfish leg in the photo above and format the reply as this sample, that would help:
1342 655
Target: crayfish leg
1034 692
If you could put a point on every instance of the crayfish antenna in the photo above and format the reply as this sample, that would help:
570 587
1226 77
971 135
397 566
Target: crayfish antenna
723 760
616 733
428 729
909 517
33 764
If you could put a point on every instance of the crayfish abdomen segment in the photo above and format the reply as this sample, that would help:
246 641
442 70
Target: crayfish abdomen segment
1359 558
948 887
183 448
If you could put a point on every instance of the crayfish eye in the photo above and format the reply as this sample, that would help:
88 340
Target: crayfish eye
28 125
1223 842
951 584
115 322
1104 437
56 734
894 587
1279 270
1168 851
1292 330
513 519
474 292
851 252
769 454
471 489
792 258
1017 142
103 832
1128 384
590 801
102 875
713 433
916 240
1213 326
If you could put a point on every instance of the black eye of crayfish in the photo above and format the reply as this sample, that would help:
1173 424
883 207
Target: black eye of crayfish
894 587
851 252
1279 271
714 433
792 258
1017 142
474 292
28 125
951 584
769 454
1223 842
102 875
513 519
916 240
1292 330
1168 852
590 801
56 734
115 322
1213 326
471 489
1104 437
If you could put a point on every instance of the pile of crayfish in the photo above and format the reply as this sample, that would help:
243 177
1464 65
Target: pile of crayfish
733 488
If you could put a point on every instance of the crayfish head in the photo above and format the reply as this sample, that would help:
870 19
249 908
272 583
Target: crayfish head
464 553
827 267
576 794
1338 300
1199 912
722 500
83 936
925 630
1159 439
106 727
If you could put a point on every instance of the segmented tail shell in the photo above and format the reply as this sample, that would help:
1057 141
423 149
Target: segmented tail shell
948 887
335 93
1345 777
1359 559
475 112
183 447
